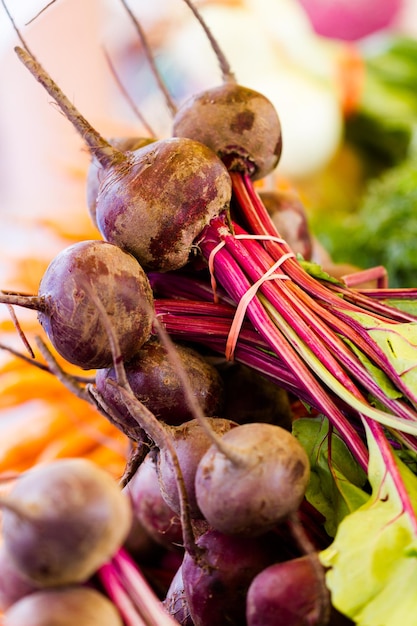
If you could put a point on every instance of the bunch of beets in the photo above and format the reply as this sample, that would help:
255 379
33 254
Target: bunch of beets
203 329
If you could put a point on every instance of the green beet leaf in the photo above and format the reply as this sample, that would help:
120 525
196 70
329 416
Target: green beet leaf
373 559
399 344
336 480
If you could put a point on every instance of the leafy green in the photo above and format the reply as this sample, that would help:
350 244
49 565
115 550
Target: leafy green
336 481
403 304
315 270
384 123
383 229
380 377
373 559
399 344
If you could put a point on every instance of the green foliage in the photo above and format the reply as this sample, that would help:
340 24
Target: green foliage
336 482
373 560
383 231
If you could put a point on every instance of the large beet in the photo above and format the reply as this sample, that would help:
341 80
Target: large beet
63 520
158 223
69 315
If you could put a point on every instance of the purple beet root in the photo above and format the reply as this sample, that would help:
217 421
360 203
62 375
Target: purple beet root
13 584
175 601
77 278
251 397
252 479
288 594
237 123
191 442
289 216
83 606
158 223
155 382
61 521
96 171
216 587
150 508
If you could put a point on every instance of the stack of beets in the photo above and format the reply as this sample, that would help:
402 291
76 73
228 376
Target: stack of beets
216 481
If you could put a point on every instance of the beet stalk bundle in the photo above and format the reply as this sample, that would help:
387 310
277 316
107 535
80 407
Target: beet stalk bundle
192 194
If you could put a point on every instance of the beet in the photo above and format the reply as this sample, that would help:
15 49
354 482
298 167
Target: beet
72 322
83 606
238 123
241 125
288 594
156 222
67 310
251 397
252 479
190 442
155 382
152 202
175 600
150 508
289 216
63 520
96 171
216 585
13 584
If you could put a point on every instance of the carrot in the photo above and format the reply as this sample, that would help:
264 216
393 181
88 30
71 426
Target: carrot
79 442
350 78
24 439
109 460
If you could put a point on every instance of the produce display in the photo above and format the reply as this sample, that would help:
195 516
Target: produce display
232 427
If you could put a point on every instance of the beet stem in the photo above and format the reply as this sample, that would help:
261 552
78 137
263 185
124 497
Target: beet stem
105 153
149 605
192 402
35 303
20 331
159 432
149 56
117 593
309 550
126 95
227 74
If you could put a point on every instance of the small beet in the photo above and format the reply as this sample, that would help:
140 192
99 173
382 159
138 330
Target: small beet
78 277
13 584
155 382
251 397
288 594
216 585
150 508
290 218
80 606
63 520
190 441
238 123
175 600
241 125
71 319
252 479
